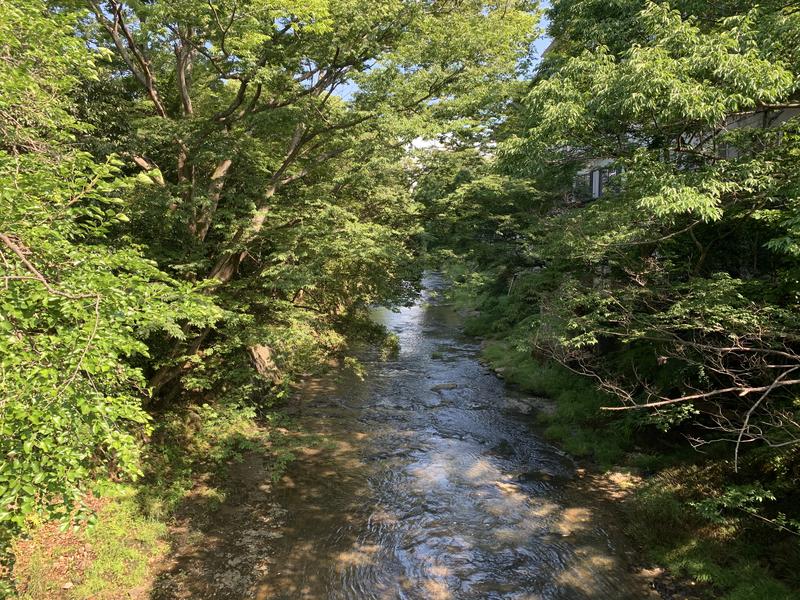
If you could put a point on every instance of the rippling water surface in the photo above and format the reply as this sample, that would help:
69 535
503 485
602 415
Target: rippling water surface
432 488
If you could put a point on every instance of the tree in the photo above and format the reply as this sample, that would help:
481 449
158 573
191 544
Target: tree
239 108
688 262
76 307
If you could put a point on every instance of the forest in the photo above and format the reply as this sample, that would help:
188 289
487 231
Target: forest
203 201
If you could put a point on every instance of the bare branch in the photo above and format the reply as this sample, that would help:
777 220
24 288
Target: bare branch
746 425
37 275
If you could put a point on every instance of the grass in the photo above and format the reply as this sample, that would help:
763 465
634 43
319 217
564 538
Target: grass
733 555
111 553
125 543
577 423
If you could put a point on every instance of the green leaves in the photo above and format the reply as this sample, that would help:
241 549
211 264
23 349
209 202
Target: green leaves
670 201
677 288
76 304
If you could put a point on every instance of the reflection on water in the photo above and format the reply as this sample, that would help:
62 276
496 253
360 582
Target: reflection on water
431 489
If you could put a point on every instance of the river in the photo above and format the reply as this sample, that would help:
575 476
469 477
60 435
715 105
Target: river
432 486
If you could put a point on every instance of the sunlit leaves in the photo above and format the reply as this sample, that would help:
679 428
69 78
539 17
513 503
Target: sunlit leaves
76 305
688 111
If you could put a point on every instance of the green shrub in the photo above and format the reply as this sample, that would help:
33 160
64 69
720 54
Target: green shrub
77 304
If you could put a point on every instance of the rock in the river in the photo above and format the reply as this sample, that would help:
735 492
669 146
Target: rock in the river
444 386
536 476
504 449
544 474
518 405
432 402
532 476
530 405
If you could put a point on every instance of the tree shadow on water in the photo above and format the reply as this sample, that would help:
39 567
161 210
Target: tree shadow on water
221 534
231 532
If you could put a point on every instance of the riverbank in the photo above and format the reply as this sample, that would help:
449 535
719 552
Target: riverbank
657 488
188 523
399 468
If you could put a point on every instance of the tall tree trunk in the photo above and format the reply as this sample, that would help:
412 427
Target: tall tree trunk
202 224
227 265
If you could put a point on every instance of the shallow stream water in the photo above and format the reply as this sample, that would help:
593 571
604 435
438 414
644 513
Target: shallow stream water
433 486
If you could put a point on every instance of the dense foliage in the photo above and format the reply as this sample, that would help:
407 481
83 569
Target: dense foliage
690 256
76 305
199 200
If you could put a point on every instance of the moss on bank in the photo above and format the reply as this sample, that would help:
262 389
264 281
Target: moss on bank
577 423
